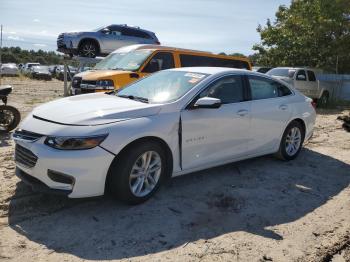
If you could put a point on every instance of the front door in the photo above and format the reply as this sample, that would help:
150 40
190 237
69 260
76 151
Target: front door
216 134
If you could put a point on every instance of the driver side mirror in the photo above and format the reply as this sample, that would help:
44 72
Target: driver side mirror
105 31
207 102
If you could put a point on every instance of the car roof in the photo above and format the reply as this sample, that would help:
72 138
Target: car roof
133 27
153 47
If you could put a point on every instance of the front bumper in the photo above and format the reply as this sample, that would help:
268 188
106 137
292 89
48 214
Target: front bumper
88 168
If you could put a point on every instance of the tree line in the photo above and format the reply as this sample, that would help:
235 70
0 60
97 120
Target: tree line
18 55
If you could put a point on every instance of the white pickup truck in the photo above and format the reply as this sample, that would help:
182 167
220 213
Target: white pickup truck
304 80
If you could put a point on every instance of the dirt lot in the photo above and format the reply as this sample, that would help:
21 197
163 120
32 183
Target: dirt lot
255 210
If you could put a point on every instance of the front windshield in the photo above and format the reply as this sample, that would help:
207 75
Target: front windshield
130 61
163 86
283 72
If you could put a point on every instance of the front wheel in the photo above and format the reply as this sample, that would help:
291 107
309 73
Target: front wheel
137 174
88 49
291 142
9 118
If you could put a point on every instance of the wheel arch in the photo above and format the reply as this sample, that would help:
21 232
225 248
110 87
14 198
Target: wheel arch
158 140
299 120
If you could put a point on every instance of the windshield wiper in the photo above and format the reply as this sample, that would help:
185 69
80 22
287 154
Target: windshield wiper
118 68
137 98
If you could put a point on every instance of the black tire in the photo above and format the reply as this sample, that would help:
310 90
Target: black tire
88 48
16 118
118 180
324 100
282 151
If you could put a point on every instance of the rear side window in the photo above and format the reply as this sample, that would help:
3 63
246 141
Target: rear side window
160 61
228 89
193 60
135 33
263 88
311 76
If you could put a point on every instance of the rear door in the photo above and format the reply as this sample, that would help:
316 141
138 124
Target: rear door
216 134
270 112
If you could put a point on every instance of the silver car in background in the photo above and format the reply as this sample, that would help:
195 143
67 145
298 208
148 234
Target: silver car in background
9 69
103 40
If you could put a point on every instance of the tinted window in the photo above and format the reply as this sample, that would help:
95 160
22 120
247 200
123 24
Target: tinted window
301 75
311 76
263 88
114 30
135 33
228 89
193 60
160 61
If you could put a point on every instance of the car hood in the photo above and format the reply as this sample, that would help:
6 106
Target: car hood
284 78
100 74
93 109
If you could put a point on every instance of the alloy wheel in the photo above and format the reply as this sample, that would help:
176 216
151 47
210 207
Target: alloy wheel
293 141
145 173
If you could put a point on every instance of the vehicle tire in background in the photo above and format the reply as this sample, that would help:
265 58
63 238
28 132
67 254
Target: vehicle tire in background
137 173
9 118
291 142
324 100
88 48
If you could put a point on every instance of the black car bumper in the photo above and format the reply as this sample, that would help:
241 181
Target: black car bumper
39 186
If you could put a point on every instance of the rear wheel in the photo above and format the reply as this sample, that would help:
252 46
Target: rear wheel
137 174
9 118
88 48
292 141
323 101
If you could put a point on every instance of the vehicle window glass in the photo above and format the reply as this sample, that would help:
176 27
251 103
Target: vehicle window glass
283 90
301 75
124 61
311 76
194 60
160 61
228 89
135 33
114 30
284 72
262 88
164 86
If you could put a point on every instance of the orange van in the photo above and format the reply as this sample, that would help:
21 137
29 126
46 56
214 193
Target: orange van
131 63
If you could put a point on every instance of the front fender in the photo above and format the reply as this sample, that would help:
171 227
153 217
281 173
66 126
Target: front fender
162 126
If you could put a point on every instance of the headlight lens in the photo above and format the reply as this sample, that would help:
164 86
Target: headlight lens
105 84
74 143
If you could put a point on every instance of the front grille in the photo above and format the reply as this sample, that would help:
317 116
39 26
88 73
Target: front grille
25 157
88 82
76 82
60 42
26 135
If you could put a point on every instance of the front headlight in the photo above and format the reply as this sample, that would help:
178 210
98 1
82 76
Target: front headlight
105 84
74 143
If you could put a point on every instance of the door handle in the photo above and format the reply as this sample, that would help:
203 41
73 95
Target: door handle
242 112
283 107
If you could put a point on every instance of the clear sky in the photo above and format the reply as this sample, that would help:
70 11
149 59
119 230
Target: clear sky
211 25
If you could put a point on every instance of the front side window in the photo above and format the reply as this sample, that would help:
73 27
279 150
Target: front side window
163 86
301 75
130 61
282 72
228 89
263 88
160 61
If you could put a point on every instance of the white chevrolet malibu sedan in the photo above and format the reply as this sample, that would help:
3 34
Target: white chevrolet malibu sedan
171 123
